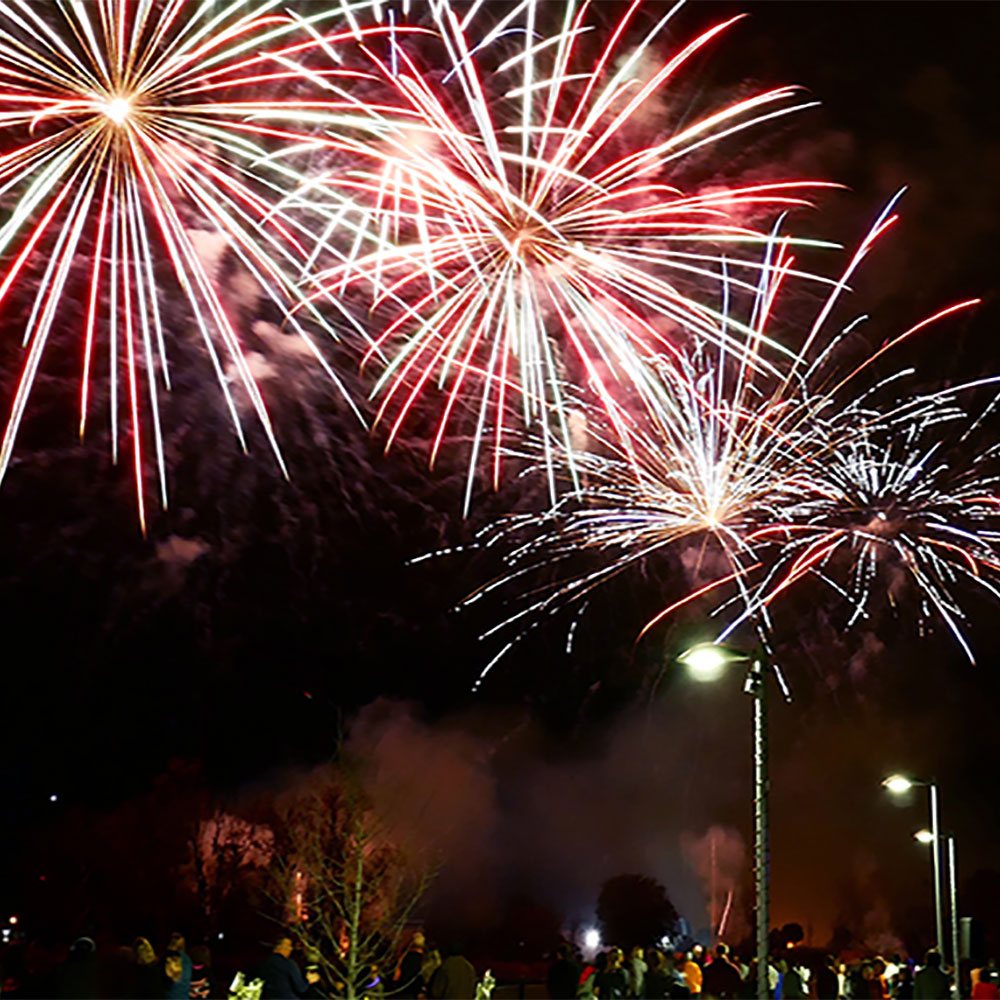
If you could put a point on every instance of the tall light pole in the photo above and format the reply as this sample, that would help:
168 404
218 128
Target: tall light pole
899 784
927 837
953 886
707 662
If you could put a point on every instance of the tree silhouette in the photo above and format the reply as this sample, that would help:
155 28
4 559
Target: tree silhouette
787 936
344 890
634 909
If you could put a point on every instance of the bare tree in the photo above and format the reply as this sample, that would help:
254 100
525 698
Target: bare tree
346 890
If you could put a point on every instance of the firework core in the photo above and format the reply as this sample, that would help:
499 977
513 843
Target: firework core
118 110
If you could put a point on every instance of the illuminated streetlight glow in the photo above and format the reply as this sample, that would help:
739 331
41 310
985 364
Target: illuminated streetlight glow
898 784
592 939
706 662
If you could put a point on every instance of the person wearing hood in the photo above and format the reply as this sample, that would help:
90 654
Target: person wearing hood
178 983
76 977
147 976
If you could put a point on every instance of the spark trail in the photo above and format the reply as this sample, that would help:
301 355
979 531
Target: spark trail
778 473
545 218
124 127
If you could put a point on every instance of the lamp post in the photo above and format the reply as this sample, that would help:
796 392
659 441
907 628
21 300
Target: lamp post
707 662
953 887
927 837
899 784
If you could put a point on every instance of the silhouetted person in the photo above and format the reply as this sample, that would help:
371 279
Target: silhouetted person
588 976
147 976
636 970
77 976
201 973
611 984
455 979
178 988
721 978
430 965
173 973
316 989
792 986
409 980
662 981
985 987
930 983
283 979
691 971
877 985
564 974
904 984
827 984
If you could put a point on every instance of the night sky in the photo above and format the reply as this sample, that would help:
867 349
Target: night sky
263 621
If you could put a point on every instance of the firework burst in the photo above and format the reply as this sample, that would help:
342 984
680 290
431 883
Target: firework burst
126 127
893 502
782 472
532 194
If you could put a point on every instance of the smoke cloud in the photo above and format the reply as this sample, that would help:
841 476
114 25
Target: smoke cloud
503 812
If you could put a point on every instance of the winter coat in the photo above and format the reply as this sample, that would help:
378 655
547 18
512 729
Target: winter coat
148 982
563 979
454 980
931 984
721 979
181 989
410 980
611 985
283 979
636 977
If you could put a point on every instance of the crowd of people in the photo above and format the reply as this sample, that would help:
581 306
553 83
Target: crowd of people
421 973
131 972
140 972
719 974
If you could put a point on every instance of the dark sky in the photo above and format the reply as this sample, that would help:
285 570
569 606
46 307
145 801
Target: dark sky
260 616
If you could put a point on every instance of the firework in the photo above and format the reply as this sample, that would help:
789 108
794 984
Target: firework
531 192
893 503
125 128
762 477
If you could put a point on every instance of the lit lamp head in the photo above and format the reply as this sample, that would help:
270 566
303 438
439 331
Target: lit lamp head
706 661
898 784
924 836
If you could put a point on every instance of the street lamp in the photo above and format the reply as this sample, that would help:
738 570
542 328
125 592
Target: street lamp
927 837
953 893
899 784
707 662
